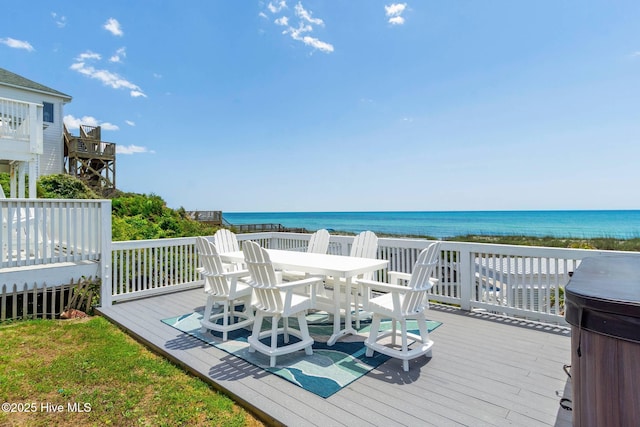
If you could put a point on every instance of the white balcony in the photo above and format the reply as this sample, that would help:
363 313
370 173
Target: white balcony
21 142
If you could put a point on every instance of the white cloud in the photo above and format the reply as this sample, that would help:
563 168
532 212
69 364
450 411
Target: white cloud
283 21
88 55
635 54
61 21
113 26
303 23
119 55
395 9
17 44
74 123
394 12
107 77
132 149
130 123
318 44
296 32
305 15
274 8
396 20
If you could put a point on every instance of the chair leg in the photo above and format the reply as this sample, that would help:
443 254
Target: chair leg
304 331
274 337
225 313
356 308
285 329
207 311
257 326
394 329
231 312
424 332
248 310
405 346
373 334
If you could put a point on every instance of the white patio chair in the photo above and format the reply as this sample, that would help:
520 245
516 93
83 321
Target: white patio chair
226 289
226 241
278 301
202 248
400 304
318 244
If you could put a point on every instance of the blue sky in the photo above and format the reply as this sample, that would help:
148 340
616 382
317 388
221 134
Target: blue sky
350 105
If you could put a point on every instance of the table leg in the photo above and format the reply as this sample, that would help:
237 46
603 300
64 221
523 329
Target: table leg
348 327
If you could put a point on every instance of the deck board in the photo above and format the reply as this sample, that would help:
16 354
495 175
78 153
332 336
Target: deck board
485 371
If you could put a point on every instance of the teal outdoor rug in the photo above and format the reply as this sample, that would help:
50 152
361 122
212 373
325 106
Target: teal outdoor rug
325 372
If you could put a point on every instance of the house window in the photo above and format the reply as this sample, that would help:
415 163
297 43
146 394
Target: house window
47 112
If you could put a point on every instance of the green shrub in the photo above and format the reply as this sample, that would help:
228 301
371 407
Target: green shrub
5 182
63 186
141 216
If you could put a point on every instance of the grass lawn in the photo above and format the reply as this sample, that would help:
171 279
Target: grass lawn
88 372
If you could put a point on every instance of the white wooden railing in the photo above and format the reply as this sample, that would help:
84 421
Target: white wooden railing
521 281
48 231
19 121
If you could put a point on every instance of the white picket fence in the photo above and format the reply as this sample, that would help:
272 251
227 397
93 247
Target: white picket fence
521 281
36 300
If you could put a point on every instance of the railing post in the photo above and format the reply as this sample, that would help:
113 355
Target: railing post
106 255
466 278
35 129
274 243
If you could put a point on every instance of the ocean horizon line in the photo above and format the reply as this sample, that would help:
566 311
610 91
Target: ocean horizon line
434 211
444 224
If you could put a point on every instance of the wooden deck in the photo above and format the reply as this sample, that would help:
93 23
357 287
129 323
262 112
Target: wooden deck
485 371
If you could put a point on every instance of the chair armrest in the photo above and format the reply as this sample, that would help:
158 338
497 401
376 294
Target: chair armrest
302 282
394 276
236 274
290 286
381 286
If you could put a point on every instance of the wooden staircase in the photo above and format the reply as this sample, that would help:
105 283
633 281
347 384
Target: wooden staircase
90 159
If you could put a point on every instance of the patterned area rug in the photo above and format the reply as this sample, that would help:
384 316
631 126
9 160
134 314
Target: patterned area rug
325 372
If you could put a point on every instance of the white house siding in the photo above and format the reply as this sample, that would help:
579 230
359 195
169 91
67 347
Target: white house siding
52 159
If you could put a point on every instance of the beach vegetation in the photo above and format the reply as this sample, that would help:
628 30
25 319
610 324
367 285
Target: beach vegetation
603 243
62 186
142 216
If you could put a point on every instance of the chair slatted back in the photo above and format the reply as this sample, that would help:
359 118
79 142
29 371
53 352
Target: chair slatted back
319 242
215 282
365 245
226 241
268 297
416 300
201 245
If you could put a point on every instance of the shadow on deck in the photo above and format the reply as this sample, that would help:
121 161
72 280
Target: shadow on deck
485 370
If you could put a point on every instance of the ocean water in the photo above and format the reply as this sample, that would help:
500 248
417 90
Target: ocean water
576 224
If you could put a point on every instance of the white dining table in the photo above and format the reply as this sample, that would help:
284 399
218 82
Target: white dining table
337 266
